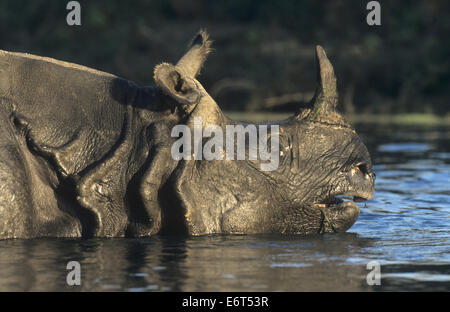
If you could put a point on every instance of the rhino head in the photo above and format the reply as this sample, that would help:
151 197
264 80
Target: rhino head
320 157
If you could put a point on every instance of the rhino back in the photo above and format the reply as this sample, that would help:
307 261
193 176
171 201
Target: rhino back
70 111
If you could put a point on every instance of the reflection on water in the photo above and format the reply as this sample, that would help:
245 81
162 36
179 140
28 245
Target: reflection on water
233 263
405 227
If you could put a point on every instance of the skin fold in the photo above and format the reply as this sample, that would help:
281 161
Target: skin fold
87 154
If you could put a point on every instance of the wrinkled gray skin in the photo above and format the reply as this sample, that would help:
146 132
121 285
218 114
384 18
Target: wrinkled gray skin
87 154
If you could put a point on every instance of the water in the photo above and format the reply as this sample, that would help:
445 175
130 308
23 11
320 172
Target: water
405 228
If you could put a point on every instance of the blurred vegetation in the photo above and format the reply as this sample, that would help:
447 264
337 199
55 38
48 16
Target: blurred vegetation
263 56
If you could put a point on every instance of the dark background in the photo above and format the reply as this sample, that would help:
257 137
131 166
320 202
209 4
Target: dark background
263 56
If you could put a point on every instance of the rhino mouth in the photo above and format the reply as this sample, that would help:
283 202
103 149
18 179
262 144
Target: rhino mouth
339 212
341 201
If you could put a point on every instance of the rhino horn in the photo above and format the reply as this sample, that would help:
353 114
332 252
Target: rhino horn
326 96
191 63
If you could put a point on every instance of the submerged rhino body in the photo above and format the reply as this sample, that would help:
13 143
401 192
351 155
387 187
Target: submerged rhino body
87 154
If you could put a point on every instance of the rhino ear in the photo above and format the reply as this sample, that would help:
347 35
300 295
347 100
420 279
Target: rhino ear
176 84
193 59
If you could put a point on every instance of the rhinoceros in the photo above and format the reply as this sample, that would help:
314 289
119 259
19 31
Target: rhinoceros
84 153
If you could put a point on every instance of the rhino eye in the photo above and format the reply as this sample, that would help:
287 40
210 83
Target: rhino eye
285 151
285 142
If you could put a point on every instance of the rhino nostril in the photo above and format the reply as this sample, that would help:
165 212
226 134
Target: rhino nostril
364 168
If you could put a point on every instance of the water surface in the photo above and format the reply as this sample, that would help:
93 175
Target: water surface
405 228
